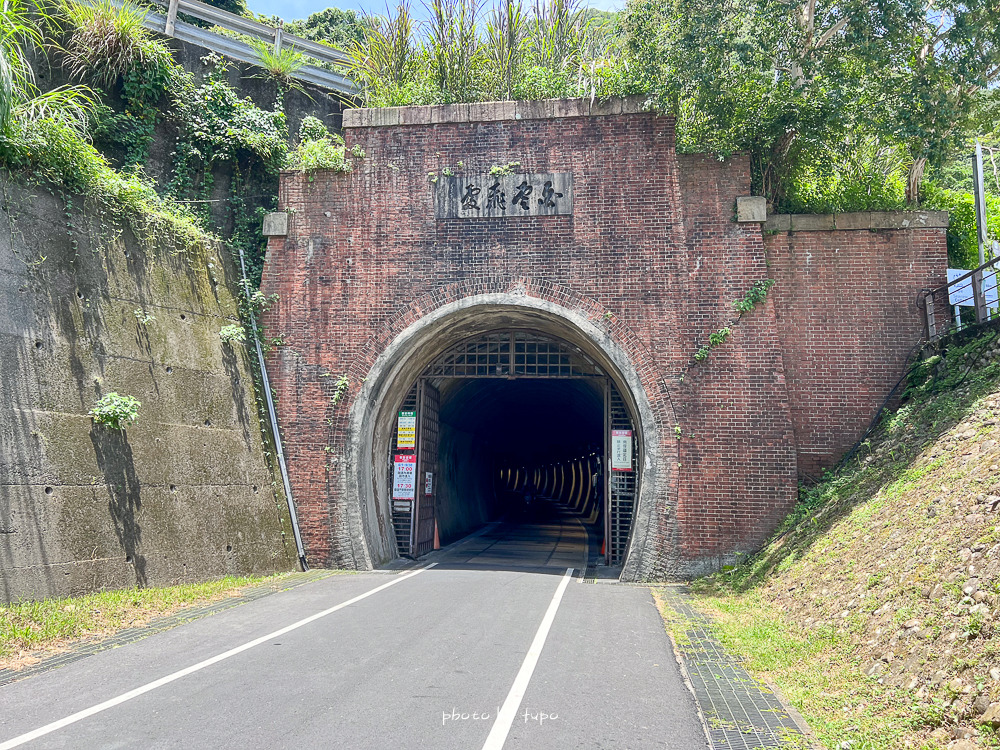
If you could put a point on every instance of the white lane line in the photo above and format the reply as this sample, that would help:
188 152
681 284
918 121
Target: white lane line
79 715
505 717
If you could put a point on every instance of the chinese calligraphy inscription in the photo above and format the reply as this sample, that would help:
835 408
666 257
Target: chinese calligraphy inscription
500 196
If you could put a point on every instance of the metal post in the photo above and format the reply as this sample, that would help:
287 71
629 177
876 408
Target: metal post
607 472
418 452
278 448
278 33
929 315
979 299
168 28
979 189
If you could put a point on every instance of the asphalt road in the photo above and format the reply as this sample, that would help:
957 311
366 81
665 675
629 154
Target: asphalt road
425 658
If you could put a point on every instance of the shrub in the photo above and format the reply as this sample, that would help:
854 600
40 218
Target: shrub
963 246
233 333
104 41
858 174
116 411
280 64
319 149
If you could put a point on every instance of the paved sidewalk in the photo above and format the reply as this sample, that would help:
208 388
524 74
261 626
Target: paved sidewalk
92 646
741 713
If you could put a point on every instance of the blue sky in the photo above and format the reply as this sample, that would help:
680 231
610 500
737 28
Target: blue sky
292 9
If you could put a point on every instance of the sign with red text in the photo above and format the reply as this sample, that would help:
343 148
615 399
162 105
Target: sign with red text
404 477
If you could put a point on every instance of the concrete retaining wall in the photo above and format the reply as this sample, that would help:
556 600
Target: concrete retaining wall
185 493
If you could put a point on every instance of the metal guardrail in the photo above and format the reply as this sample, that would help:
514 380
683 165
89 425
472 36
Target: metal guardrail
167 24
977 289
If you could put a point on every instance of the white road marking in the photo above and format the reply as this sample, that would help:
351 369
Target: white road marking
80 715
505 717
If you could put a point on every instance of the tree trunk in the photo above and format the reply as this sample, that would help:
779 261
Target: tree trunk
774 168
913 180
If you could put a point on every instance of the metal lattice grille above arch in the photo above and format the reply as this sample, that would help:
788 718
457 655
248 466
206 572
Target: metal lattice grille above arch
513 354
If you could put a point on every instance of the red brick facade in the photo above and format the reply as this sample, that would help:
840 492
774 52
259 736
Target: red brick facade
651 255
848 320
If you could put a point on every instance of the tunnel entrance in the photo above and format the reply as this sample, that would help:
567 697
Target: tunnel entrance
517 425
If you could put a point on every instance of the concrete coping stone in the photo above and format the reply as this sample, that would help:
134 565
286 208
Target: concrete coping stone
275 224
546 109
870 220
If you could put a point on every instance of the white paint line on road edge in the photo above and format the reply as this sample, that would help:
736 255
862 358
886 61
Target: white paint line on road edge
505 717
79 715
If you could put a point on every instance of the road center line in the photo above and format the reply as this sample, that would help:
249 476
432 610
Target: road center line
505 717
79 715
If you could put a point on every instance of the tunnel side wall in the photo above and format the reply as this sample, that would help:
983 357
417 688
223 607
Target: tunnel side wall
650 257
473 502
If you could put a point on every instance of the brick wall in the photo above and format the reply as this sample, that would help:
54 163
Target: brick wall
651 253
845 301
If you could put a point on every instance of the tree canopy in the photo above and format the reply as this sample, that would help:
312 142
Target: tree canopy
468 51
333 26
838 102
800 82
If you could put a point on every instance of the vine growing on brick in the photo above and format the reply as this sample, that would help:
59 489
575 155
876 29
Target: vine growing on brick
753 297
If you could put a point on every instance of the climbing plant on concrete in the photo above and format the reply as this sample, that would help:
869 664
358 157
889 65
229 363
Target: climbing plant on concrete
218 125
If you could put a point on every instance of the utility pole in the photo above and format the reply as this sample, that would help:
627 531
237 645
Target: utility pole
979 190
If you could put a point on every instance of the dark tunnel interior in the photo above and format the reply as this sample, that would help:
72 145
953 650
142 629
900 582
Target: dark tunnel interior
495 432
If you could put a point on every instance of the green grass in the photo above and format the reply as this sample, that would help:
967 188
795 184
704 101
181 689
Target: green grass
815 671
870 538
53 623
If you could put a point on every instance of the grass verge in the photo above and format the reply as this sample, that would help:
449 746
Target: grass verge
27 628
815 670
875 607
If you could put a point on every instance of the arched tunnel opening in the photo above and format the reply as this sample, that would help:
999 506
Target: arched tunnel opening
514 449
517 428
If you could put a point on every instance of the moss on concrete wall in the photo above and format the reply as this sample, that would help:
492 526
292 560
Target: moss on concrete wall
184 494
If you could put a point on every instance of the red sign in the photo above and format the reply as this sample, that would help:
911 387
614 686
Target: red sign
404 477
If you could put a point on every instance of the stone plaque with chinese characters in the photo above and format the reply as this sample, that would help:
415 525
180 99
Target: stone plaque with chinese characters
501 196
